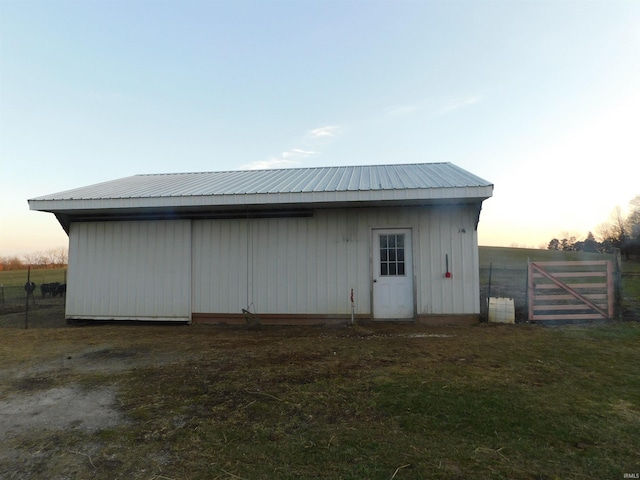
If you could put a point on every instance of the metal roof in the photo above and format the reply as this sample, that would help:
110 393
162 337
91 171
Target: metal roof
191 195
362 180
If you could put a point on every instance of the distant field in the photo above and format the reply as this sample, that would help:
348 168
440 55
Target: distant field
17 278
516 258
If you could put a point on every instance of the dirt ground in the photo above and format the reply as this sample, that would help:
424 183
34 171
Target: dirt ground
43 369
55 377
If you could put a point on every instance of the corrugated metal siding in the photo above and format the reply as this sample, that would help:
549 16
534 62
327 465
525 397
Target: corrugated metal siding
130 270
448 231
309 265
220 260
285 265
143 270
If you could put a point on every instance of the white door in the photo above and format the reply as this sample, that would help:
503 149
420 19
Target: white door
392 274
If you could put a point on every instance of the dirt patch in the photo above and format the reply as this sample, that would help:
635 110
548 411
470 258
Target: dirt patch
58 409
46 414
43 372
57 393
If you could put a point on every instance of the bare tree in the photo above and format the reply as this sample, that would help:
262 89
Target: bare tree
622 231
62 256
31 258
633 219
56 256
631 242
49 256
613 231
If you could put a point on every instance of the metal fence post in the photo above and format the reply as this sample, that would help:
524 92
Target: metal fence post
617 284
26 309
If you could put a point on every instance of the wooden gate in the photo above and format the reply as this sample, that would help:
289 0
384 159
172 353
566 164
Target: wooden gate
566 291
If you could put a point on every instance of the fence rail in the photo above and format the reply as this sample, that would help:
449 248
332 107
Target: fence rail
570 290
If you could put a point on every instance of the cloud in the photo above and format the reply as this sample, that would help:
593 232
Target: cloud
402 110
288 159
328 131
295 156
268 164
297 152
459 103
433 105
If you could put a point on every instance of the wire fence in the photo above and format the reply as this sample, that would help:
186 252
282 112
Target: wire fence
502 280
49 285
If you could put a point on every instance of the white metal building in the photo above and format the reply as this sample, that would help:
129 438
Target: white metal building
288 245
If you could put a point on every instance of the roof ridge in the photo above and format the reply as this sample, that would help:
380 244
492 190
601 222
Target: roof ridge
382 165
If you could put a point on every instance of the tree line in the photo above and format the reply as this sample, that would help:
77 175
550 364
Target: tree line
621 231
52 258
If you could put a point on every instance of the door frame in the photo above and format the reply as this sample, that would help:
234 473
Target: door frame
373 268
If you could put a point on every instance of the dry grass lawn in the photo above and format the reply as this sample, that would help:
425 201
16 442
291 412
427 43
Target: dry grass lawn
374 401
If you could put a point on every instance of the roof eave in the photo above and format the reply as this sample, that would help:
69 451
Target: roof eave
272 200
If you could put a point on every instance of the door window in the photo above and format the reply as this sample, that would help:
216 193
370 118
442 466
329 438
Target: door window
392 255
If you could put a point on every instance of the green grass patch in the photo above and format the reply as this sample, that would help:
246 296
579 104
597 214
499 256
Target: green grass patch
562 403
631 290
512 402
17 278
516 258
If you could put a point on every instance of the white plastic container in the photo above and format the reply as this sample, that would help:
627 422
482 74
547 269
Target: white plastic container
501 310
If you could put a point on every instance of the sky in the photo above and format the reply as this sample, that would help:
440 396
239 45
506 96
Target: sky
542 99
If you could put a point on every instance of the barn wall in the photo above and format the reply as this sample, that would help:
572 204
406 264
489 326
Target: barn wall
309 265
129 270
220 260
280 265
448 231
165 270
